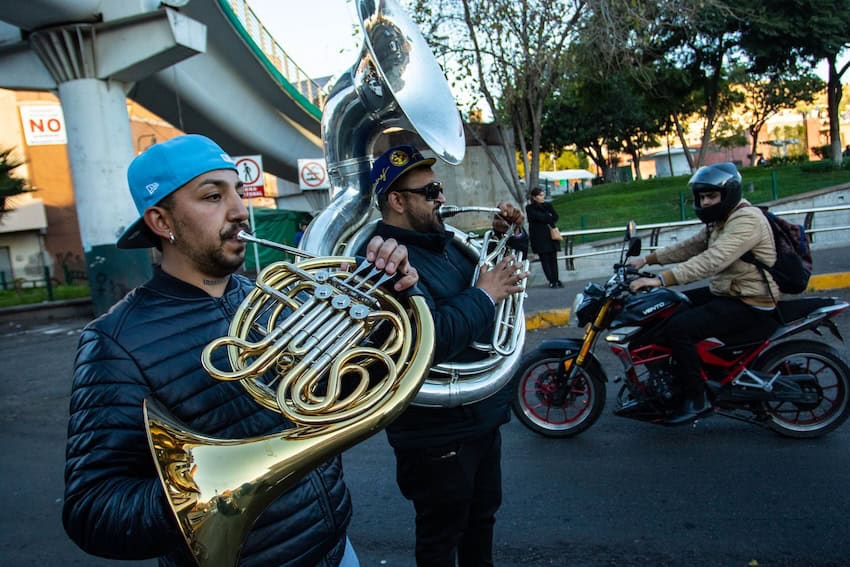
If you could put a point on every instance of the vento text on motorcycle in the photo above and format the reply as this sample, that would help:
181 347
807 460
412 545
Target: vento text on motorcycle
795 385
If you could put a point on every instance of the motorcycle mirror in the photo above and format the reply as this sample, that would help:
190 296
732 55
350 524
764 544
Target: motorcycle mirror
631 229
634 246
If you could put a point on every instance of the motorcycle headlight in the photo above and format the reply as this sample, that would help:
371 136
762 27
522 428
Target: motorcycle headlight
586 305
573 320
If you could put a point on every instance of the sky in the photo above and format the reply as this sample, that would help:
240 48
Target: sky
317 34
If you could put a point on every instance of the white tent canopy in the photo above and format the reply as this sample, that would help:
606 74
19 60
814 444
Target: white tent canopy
566 174
566 180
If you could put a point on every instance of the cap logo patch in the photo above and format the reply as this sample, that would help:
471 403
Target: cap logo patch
399 158
152 187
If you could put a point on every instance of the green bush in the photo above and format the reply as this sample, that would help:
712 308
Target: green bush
668 199
822 166
28 296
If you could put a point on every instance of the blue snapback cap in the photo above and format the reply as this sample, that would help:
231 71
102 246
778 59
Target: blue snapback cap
394 163
161 170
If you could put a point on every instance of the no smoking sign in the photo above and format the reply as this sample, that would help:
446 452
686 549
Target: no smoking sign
313 174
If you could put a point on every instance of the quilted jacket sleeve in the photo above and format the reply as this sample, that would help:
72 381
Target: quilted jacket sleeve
459 321
114 505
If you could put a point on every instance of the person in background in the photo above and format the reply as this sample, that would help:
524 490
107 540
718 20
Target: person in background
189 198
541 219
738 296
299 234
447 458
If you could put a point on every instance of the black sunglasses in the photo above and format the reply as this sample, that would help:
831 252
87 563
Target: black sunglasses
431 191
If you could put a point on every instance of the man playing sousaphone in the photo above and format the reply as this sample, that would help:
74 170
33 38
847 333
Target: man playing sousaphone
448 458
188 195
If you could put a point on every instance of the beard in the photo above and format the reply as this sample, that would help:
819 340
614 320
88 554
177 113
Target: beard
430 224
211 258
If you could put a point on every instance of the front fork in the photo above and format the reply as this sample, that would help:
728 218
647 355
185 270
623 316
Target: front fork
591 333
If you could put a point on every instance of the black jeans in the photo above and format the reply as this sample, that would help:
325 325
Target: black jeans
456 490
549 263
708 316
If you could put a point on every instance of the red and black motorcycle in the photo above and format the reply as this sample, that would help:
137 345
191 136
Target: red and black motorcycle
797 387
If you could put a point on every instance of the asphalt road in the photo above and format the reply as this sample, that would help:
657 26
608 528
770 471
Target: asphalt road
622 494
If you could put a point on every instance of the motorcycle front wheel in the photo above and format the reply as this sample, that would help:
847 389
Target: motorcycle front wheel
831 383
546 405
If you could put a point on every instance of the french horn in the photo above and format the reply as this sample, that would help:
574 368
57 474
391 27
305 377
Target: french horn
328 349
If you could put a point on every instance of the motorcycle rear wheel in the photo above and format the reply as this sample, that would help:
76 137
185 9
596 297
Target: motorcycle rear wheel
542 405
832 374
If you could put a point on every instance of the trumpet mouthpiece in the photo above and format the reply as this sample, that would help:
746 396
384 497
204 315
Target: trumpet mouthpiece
451 210
447 211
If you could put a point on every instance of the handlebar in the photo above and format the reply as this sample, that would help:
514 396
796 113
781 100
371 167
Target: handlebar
624 274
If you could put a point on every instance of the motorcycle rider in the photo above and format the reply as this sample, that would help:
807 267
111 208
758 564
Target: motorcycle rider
737 295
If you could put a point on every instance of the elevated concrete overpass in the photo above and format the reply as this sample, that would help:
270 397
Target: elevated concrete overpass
193 62
232 92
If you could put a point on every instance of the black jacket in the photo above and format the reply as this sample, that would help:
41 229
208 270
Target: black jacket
462 314
149 344
541 216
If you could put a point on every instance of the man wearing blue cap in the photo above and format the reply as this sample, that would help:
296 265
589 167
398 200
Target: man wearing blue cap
188 195
447 459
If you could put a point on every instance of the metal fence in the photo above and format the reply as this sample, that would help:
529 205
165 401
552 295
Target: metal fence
8 283
656 229
290 70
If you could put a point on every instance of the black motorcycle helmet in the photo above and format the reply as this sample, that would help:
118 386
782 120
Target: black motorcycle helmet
722 177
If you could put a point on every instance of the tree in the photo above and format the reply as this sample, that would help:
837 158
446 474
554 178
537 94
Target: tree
509 54
9 186
765 95
676 50
787 35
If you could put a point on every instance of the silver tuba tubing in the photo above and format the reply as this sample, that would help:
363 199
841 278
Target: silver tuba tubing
395 83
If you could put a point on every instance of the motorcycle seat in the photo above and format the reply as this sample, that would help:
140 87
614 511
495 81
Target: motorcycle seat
793 309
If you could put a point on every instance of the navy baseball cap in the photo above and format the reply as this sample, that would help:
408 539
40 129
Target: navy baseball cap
161 170
394 163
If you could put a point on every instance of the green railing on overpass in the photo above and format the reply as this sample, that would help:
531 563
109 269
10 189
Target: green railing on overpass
292 77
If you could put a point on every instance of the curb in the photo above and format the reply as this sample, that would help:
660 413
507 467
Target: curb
559 317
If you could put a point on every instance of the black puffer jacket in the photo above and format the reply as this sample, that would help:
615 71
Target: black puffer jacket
149 344
462 314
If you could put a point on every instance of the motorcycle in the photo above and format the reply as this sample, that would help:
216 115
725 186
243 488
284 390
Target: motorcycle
795 386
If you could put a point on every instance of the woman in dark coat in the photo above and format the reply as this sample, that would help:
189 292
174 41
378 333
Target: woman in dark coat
541 217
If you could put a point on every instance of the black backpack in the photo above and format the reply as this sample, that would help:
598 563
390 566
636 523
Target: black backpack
793 265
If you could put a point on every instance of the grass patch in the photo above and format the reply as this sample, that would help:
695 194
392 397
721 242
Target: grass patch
664 199
28 296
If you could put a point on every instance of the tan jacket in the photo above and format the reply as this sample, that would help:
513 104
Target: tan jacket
715 252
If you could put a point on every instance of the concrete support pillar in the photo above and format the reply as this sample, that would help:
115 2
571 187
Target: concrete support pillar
91 66
100 147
